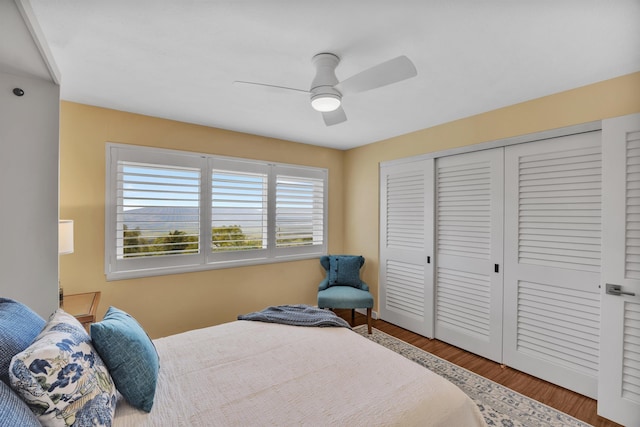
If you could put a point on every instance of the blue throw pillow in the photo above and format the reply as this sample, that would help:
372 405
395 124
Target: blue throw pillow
19 326
13 411
345 270
61 377
130 355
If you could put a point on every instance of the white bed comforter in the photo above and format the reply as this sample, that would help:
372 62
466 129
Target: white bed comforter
252 373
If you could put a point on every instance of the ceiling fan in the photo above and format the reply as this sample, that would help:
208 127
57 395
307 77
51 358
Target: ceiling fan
326 91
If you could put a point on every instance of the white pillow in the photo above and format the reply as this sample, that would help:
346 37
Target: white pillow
62 378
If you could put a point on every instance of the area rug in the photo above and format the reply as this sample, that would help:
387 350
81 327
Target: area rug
499 405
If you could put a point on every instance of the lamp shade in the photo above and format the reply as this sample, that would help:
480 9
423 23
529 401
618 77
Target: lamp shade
65 236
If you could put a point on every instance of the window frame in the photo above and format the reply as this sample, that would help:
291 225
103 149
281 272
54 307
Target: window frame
126 268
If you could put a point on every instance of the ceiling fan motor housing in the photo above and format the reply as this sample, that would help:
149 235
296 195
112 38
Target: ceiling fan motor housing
322 86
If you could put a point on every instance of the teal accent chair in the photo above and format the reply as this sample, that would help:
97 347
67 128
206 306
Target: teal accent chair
342 287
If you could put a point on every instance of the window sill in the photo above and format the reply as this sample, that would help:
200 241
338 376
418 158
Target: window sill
137 274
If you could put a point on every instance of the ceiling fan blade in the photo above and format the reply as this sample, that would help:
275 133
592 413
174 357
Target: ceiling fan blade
392 71
334 117
242 83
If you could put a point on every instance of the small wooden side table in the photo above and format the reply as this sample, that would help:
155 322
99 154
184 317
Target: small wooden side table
82 306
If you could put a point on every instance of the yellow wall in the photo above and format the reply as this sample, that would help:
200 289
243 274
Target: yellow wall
611 98
174 303
169 304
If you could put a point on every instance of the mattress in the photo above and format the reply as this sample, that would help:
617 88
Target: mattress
252 373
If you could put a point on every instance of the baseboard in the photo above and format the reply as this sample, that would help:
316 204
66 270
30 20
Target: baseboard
374 314
363 311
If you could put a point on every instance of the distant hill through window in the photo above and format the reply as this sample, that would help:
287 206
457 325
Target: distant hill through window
153 219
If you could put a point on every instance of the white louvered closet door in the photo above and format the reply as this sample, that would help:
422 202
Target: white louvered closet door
406 245
552 259
619 385
469 229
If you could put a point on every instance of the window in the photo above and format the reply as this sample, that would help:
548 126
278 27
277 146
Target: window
299 211
169 212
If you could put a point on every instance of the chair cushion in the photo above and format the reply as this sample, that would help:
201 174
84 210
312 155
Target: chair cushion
61 377
344 270
19 326
130 356
13 411
344 297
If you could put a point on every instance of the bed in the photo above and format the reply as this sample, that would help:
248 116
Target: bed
256 373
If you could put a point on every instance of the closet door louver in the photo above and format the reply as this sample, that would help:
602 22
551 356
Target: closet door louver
619 381
559 208
469 189
552 259
406 245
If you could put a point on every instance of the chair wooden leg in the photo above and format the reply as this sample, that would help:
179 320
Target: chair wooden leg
369 320
353 316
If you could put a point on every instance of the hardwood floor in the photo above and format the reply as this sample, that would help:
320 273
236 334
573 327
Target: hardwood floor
574 404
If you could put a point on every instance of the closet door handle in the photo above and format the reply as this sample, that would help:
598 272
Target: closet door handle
496 268
428 260
617 290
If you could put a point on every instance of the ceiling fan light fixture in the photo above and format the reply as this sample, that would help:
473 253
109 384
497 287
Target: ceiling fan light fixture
325 102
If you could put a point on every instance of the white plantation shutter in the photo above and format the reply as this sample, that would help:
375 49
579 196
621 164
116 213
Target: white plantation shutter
170 211
406 245
300 210
238 210
153 210
158 210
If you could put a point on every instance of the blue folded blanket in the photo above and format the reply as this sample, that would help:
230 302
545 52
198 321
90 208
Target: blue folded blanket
297 315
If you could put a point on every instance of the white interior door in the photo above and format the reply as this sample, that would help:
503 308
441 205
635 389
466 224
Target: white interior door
469 230
619 381
406 245
552 259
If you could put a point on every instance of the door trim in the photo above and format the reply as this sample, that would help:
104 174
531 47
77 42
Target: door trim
520 139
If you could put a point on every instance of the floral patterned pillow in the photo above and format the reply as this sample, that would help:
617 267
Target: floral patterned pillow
62 378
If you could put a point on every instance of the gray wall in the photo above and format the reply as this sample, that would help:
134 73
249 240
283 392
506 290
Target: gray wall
29 129
29 135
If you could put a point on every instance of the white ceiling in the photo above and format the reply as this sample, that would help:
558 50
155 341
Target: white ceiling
177 59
